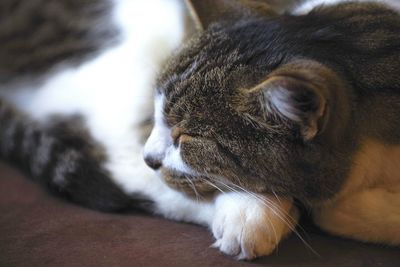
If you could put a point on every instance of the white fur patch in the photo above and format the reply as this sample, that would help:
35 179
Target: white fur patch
160 137
173 161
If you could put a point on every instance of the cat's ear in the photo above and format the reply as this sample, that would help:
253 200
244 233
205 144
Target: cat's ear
205 12
298 93
296 101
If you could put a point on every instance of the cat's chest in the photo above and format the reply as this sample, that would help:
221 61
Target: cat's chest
375 165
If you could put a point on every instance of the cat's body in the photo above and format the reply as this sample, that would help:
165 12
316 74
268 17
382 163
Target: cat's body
111 92
304 106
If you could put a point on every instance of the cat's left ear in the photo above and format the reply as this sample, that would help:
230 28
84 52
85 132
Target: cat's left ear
205 12
298 93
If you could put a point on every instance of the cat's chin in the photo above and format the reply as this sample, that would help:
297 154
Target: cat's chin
193 186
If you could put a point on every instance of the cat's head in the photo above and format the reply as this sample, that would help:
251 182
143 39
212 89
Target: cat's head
241 106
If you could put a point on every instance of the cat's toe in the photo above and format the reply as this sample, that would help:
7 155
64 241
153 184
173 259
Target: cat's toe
245 228
244 237
226 235
241 227
227 246
257 241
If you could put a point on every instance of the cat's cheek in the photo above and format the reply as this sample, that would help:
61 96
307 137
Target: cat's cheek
173 161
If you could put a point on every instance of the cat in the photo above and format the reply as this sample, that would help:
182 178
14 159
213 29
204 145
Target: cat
72 115
301 106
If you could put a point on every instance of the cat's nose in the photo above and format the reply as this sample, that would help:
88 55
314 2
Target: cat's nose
153 162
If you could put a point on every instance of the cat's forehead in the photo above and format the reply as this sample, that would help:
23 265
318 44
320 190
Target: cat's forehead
201 61
223 57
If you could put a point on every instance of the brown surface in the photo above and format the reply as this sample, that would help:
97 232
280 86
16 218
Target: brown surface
39 230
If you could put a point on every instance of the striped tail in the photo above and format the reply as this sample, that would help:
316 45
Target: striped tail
65 161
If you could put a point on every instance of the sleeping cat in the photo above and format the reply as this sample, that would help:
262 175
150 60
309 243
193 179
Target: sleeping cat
254 112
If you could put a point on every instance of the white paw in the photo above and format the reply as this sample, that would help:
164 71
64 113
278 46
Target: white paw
246 228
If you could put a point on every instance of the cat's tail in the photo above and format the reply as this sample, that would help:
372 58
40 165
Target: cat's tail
64 160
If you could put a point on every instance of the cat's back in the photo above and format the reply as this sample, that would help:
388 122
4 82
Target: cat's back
36 35
360 39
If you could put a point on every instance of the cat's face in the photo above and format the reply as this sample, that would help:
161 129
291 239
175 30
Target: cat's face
226 117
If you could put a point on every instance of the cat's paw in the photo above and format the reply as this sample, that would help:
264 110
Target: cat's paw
245 227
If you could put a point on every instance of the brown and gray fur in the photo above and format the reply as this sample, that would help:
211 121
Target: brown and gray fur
36 35
301 106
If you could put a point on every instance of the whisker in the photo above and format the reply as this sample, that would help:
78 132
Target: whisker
269 220
276 196
193 186
281 214
214 185
298 226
